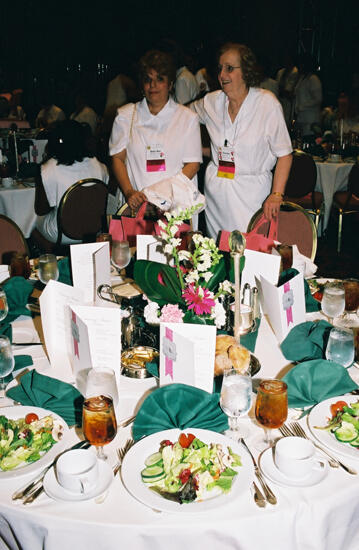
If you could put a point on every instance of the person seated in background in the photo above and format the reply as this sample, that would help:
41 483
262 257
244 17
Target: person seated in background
69 160
16 110
267 82
287 78
83 112
49 113
186 88
120 90
308 96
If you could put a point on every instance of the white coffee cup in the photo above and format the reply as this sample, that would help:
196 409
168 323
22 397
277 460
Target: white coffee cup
7 182
77 470
295 457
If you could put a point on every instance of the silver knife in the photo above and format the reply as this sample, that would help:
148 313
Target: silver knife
269 495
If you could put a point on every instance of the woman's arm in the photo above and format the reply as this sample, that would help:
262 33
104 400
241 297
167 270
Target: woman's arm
133 198
272 203
190 169
42 205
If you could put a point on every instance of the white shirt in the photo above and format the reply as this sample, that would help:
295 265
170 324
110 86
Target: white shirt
186 86
175 127
57 178
259 136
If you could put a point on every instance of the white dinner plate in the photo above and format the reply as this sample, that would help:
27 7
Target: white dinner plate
319 416
24 335
54 490
134 463
270 470
20 411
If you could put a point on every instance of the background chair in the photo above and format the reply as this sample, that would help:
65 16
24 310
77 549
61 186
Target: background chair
82 211
295 226
11 240
301 183
347 202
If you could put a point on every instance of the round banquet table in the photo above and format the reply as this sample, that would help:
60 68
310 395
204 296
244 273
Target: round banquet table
321 517
331 177
18 204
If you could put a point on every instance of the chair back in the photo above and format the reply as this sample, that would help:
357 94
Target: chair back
302 176
353 180
82 210
11 240
295 226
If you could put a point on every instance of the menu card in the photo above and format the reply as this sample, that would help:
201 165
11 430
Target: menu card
285 304
259 264
187 353
90 268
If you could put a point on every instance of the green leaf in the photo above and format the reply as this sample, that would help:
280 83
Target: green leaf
146 275
219 275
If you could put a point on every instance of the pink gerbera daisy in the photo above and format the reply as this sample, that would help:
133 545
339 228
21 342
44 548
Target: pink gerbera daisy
199 299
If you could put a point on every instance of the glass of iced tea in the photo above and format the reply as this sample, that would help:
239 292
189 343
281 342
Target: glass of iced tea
271 407
99 422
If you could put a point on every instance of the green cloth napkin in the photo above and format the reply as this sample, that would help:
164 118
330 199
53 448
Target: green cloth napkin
311 303
17 290
306 341
49 393
179 406
65 271
314 381
21 362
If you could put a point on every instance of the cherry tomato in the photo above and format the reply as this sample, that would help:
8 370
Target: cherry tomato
191 437
318 295
185 440
185 475
31 417
337 407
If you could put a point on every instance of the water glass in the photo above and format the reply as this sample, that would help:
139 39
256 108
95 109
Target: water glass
7 362
236 398
340 347
48 268
4 308
120 254
333 301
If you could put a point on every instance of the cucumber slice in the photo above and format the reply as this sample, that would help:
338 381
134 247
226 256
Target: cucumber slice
153 459
346 433
153 479
151 472
355 442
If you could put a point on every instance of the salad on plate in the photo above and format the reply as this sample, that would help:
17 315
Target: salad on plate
189 470
344 422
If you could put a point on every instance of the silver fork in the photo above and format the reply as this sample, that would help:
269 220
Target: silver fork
284 430
298 430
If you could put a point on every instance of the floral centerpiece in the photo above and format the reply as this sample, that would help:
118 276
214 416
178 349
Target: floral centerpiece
191 288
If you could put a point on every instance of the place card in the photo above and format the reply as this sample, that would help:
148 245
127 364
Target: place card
90 268
150 248
187 353
284 304
259 264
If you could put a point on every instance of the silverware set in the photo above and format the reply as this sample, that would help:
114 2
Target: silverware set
259 498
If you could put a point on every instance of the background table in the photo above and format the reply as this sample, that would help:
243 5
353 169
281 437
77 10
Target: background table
331 177
18 204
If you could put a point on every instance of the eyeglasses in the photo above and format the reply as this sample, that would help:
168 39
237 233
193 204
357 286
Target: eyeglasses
227 68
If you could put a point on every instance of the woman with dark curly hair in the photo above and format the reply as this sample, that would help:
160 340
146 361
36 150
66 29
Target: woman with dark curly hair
155 138
248 137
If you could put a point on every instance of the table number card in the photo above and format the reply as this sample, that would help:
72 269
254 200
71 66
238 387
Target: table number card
187 353
90 268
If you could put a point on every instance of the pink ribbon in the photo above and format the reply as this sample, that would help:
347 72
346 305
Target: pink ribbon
168 361
289 309
76 344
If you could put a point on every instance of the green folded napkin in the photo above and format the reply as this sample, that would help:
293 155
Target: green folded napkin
17 290
179 406
21 362
249 340
311 303
65 271
306 341
314 381
49 393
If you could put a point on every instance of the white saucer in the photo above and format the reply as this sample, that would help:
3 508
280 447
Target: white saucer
270 470
54 490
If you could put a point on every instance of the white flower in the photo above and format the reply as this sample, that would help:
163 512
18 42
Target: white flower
192 277
197 239
168 215
175 242
183 255
207 276
219 314
174 228
168 249
162 224
226 287
151 313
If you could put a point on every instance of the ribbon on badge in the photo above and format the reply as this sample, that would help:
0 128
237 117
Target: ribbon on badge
288 301
75 334
169 351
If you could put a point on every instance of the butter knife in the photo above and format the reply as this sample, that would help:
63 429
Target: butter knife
269 495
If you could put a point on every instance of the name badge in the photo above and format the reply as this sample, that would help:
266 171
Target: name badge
155 158
226 166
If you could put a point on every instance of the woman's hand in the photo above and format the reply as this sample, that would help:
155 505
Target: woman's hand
271 206
135 198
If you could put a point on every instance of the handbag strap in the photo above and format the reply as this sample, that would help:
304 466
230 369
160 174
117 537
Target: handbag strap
141 211
272 229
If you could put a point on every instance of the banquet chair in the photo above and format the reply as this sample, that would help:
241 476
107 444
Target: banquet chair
347 202
82 211
295 226
11 240
301 184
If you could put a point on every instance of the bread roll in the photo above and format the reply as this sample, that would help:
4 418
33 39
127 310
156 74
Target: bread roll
223 342
239 357
230 354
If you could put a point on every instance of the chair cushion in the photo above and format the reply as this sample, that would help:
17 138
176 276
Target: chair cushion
307 201
340 201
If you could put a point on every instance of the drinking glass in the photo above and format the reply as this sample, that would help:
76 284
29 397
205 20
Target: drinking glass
271 408
333 301
340 347
7 362
350 317
236 398
48 268
99 422
103 380
120 254
4 308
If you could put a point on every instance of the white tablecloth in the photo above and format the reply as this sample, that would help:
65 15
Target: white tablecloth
17 203
322 517
331 177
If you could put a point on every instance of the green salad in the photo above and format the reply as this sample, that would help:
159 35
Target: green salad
25 440
190 470
344 422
